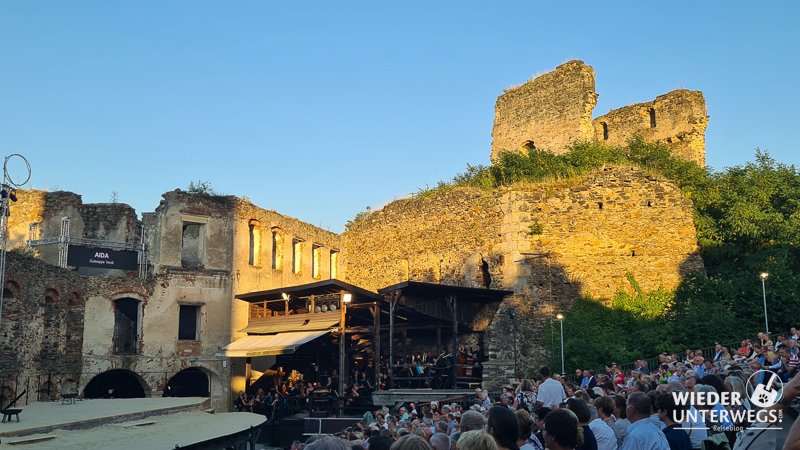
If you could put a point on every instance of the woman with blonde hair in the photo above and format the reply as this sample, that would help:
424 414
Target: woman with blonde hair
474 440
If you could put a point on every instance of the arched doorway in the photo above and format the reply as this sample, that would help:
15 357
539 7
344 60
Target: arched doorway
117 383
191 382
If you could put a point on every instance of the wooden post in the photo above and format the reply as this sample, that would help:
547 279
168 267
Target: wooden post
455 341
376 345
393 297
313 305
247 374
342 356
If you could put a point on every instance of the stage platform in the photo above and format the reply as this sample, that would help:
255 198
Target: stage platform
123 424
396 397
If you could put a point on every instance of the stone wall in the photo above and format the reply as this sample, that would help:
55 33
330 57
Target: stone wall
553 110
548 112
548 243
677 119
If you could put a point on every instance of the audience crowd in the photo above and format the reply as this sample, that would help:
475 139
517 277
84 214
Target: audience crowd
613 409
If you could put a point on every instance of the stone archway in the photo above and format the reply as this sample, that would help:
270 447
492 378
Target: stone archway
116 383
191 382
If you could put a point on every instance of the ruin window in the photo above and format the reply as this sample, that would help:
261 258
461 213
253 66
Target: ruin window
297 255
277 248
193 245
316 257
652 117
605 130
126 326
189 323
255 244
334 263
528 146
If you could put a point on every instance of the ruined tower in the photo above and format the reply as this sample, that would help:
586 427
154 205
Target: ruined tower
553 110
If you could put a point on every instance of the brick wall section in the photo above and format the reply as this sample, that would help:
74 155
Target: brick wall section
680 122
552 110
644 226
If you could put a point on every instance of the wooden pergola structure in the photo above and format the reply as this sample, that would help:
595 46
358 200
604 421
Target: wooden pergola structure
312 308
449 306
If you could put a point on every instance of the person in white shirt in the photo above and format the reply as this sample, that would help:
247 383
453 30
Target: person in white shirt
550 391
606 440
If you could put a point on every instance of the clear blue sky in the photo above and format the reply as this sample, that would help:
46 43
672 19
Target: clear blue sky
319 109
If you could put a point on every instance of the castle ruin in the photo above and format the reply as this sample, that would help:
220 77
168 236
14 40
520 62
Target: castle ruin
554 110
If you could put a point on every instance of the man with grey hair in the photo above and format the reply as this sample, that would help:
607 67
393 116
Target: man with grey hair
440 441
642 434
472 420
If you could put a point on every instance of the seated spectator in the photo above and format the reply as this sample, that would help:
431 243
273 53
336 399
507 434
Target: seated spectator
621 423
602 432
581 411
642 434
474 440
669 413
561 430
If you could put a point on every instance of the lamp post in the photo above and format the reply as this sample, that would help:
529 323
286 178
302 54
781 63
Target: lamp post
346 297
561 319
8 192
764 276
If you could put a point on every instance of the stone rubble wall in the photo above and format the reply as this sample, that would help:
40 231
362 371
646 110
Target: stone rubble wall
678 120
552 111
592 231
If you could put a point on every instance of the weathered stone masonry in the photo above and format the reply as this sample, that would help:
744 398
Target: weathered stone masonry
554 110
593 231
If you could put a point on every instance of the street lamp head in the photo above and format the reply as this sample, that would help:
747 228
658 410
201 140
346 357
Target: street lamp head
764 275
347 297
560 317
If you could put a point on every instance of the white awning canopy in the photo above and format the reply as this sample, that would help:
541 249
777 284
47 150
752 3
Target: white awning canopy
274 344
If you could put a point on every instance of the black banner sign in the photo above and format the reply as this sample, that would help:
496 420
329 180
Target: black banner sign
103 258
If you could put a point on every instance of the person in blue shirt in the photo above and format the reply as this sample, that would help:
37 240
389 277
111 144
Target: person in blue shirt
668 411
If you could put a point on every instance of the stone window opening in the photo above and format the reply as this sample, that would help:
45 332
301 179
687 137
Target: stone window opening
316 257
633 252
605 130
334 263
193 245
649 204
599 205
277 248
189 323
652 113
529 145
126 326
297 255
486 277
254 257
